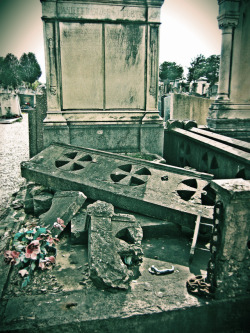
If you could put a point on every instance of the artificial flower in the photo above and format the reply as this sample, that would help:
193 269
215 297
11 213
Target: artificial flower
23 272
59 224
47 263
32 250
11 256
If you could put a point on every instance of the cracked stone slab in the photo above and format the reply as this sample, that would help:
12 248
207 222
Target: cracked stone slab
65 205
114 246
152 189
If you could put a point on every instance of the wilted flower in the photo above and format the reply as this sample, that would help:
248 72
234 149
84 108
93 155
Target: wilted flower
47 262
52 240
23 272
32 250
11 256
59 224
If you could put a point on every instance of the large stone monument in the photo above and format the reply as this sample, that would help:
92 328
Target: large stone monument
102 74
230 114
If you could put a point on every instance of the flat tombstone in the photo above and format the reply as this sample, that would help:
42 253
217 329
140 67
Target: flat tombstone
152 189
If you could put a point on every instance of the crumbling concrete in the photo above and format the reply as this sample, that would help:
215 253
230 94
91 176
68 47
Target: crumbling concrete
114 246
230 249
65 205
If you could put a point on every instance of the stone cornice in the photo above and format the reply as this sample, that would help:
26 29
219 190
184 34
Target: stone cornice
150 3
227 21
228 13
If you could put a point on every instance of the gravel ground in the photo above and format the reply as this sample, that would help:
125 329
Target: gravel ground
14 148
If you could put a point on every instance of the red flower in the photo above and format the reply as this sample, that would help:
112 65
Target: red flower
10 256
52 240
32 250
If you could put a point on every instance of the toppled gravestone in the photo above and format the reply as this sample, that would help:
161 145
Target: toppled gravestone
152 189
65 205
114 246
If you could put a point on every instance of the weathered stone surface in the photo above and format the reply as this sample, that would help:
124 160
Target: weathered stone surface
42 203
152 189
78 232
105 88
37 199
113 262
230 113
231 252
65 205
221 156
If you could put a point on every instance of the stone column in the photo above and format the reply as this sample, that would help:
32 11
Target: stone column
230 113
227 20
225 61
231 254
54 118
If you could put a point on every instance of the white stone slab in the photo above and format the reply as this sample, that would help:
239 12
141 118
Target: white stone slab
125 66
82 65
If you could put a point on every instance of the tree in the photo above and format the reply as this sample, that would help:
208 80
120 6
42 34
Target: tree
212 69
30 70
204 67
10 71
1 70
170 71
197 68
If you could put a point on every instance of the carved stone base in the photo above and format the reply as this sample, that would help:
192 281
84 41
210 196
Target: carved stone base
230 119
115 131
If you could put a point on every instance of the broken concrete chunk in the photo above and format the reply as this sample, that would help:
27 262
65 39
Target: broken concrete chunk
113 262
78 232
37 199
101 208
65 205
42 203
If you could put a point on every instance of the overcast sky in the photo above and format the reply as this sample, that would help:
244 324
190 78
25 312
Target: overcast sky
189 28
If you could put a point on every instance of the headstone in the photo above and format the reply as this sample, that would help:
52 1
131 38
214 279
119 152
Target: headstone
102 74
9 105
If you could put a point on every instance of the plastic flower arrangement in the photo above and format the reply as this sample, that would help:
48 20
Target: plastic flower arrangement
33 249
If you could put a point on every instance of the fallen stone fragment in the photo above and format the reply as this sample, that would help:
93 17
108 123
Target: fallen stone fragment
42 203
113 262
65 205
78 232
38 199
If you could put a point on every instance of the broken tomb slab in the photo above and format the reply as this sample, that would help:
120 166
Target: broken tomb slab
148 188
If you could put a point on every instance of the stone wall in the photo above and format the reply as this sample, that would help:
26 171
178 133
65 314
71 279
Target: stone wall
183 107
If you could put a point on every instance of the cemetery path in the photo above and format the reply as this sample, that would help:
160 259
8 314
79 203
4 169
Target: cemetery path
14 148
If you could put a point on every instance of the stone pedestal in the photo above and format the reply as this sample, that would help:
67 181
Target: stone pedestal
102 74
230 114
231 271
